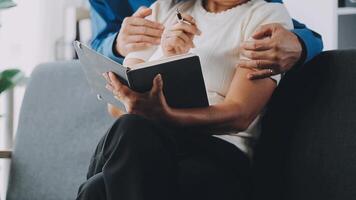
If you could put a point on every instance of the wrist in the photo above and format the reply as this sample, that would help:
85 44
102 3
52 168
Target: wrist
116 47
169 116
303 54
304 48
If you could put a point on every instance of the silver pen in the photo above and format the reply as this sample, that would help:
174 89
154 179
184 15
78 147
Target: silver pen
181 19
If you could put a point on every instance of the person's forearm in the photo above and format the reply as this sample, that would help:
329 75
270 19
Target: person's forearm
214 119
104 30
105 46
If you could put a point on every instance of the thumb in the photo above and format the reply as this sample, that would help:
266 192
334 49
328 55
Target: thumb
143 12
157 85
263 31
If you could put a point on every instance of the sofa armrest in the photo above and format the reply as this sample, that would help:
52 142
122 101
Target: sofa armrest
5 154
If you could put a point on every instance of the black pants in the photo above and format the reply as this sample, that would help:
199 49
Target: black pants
141 160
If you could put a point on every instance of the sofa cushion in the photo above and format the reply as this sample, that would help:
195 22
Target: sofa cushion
60 123
307 149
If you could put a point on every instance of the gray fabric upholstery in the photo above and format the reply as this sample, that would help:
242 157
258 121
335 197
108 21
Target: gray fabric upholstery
60 123
307 149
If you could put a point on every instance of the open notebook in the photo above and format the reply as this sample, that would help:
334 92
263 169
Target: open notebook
183 82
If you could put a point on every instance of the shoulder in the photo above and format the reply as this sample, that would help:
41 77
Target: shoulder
263 9
262 12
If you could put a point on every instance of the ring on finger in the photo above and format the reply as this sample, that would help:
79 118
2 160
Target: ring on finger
271 71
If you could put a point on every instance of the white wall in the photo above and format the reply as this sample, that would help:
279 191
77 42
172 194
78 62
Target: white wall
29 32
27 37
319 15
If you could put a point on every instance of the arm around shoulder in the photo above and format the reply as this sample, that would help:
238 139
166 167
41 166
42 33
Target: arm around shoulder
104 29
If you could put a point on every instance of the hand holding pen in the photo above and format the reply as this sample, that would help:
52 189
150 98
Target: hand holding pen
181 19
178 39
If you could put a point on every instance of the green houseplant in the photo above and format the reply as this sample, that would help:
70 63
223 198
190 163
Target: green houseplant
6 4
9 78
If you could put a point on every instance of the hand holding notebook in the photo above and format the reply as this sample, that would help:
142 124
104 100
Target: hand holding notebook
182 77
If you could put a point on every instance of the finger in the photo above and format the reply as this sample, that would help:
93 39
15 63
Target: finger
142 12
186 28
260 55
191 36
257 45
264 31
256 64
138 46
143 39
188 18
179 49
144 30
182 36
115 82
136 21
120 90
115 92
157 85
105 75
109 87
260 74
177 43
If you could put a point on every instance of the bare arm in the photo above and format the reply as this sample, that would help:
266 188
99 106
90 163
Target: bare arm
244 101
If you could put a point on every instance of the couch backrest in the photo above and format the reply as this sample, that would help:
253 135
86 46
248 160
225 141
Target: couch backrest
60 123
307 148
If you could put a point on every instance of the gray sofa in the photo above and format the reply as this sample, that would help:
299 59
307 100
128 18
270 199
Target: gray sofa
59 126
307 148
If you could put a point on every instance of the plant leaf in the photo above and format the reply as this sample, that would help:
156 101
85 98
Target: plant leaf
6 4
9 78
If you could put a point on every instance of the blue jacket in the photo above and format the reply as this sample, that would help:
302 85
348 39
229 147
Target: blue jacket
107 16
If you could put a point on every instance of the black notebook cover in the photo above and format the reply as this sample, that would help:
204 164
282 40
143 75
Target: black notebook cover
183 82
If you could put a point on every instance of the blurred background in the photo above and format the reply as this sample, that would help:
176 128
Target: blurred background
34 32
38 31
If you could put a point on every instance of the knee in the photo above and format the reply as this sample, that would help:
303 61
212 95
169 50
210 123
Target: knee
93 188
134 134
135 127
132 119
128 132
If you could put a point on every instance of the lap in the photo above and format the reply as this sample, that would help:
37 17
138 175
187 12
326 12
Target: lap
214 169
207 167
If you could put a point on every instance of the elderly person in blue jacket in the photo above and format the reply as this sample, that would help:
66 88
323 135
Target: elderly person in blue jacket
158 152
275 49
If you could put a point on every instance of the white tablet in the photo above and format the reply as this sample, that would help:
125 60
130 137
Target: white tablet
94 65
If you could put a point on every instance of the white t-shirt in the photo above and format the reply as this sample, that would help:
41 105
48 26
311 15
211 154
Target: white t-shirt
218 47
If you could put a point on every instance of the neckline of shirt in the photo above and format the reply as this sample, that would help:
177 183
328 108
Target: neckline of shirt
223 14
